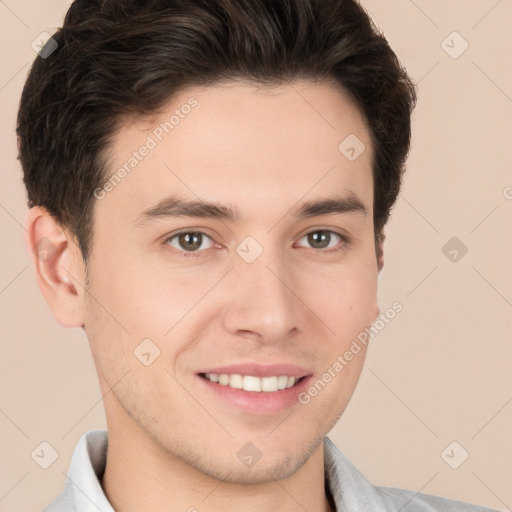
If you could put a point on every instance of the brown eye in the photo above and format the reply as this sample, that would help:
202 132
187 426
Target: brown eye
319 239
188 241
323 239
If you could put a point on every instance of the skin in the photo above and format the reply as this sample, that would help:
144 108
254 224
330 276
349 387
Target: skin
173 444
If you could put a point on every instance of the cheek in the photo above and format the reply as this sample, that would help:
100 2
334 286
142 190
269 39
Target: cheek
122 309
156 305
138 297
346 298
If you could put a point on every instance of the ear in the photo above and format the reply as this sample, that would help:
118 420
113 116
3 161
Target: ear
60 270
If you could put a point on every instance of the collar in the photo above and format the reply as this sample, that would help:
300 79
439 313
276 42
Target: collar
349 489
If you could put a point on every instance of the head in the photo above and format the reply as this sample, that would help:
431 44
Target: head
289 122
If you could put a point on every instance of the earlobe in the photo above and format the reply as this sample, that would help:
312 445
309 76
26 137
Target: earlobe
53 253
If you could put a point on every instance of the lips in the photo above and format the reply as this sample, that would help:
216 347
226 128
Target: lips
257 388
259 370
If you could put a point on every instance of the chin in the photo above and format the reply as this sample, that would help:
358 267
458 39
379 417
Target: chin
269 467
261 473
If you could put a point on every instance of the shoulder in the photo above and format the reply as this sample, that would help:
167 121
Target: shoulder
350 490
82 488
410 501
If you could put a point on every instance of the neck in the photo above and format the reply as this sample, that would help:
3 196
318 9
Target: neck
139 475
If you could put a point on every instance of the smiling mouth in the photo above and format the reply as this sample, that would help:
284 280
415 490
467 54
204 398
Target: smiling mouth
252 383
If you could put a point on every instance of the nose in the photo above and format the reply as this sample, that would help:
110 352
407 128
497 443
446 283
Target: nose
262 303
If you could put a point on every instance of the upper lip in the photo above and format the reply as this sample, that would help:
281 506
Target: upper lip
260 370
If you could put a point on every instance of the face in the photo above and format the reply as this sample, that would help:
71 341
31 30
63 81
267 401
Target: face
264 284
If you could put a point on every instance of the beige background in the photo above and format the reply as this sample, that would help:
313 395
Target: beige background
439 372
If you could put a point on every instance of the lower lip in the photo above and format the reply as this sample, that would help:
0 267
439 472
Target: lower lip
258 402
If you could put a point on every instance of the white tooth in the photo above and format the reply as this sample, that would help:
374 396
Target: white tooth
269 384
236 381
282 380
252 383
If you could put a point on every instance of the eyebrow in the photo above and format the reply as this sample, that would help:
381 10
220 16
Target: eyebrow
178 207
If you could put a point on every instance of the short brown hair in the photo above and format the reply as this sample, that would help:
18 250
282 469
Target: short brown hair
123 57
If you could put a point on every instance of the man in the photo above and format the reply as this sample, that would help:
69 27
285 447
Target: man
208 186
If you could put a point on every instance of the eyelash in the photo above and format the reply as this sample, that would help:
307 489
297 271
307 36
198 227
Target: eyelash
194 254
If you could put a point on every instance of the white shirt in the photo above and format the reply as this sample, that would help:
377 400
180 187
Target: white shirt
349 488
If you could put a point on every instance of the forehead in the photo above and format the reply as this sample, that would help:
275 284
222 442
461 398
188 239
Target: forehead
240 144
